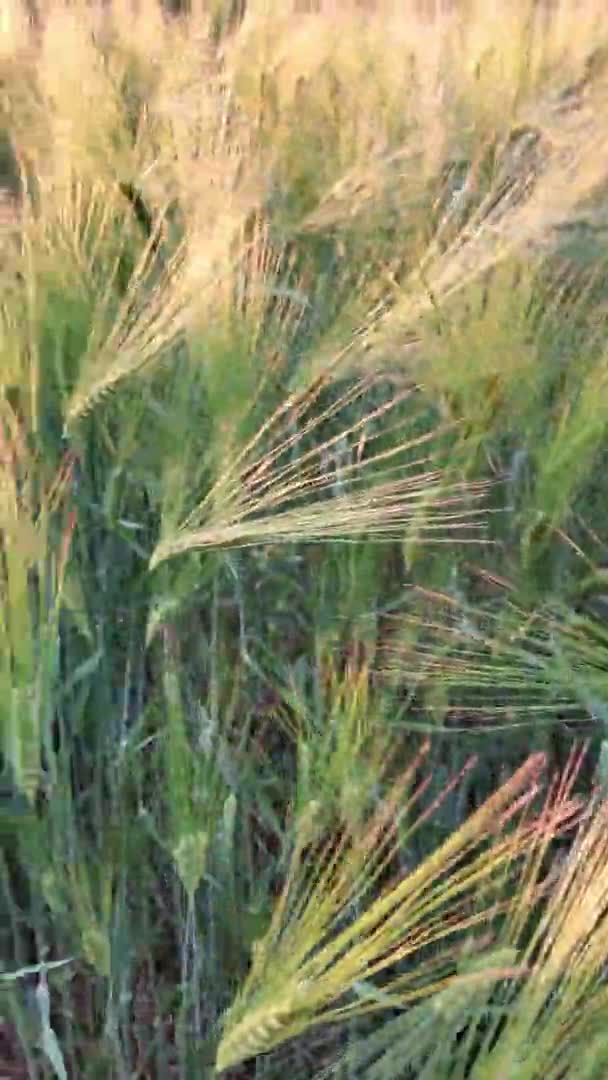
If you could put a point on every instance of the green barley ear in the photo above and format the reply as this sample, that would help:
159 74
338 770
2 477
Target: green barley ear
34 547
317 949
96 948
53 892
194 793
503 663
343 748
96 922
189 854
87 897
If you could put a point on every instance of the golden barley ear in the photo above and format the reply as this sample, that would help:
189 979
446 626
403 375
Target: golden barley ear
151 321
303 970
277 489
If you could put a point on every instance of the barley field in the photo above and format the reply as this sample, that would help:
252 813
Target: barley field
303 539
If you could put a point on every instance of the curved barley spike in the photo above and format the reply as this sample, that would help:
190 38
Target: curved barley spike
150 322
376 477
257 1033
317 950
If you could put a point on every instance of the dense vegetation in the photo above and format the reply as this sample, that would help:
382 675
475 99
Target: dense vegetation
303 527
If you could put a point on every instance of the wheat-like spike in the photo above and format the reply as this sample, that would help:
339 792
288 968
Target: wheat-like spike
136 340
383 512
257 1033
310 959
380 493
539 656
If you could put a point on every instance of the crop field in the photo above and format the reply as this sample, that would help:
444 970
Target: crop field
303 540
